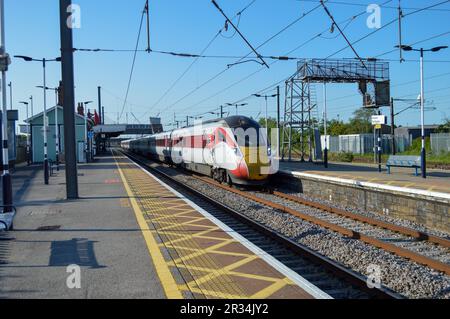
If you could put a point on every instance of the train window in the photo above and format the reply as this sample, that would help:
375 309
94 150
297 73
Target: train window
222 137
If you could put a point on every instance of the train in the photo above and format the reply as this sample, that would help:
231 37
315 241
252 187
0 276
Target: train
233 150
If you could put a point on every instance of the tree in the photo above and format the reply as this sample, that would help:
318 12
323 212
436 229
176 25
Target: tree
336 128
444 128
361 122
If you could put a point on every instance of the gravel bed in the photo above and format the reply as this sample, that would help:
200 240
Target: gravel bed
425 248
399 274
385 218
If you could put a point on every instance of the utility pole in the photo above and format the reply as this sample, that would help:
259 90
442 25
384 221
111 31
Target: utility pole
379 148
28 132
278 120
46 170
57 129
6 177
69 99
394 151
221 111
100 103
10 96
325 125
423 153
31 104
86 137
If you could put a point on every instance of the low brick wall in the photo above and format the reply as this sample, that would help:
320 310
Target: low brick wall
432 212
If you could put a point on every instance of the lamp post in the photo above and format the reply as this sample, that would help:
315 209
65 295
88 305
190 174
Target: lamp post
7 216
237 106
10 96
58 149
267 114
28 134
325 125
31 104
44 64
86 142
422 99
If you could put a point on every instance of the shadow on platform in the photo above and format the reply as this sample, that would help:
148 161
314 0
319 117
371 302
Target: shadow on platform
77 251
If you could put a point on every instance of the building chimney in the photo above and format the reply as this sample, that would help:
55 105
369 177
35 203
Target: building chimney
80 109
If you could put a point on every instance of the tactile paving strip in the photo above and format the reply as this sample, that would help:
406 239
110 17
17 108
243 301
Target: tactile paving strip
205 261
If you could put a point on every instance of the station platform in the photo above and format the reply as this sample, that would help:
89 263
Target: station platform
132 237
437 184
399 194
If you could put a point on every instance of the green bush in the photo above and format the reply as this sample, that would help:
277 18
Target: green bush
345 157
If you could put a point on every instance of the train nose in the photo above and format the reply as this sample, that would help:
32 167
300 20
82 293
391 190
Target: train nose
251 165
241 172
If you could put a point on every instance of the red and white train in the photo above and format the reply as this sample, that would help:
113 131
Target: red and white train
234 150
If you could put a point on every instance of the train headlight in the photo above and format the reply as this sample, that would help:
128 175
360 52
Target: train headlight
269 151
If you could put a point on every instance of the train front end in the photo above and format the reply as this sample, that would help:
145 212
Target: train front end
255 162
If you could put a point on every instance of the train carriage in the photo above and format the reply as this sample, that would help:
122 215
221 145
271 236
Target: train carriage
234 150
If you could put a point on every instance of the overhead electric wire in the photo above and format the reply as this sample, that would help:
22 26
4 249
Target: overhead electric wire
342 33
261 69
386 25
415 43
196 60
348 107
239 32
185 72
282 30
226 69
365 5
366 36
132 66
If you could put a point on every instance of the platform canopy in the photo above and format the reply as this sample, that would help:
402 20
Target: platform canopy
127 129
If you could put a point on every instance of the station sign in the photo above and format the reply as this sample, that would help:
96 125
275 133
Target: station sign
379 120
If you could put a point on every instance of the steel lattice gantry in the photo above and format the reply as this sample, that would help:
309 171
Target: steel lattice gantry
301 115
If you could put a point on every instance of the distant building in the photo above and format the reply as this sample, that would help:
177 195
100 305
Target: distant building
37 134
415 131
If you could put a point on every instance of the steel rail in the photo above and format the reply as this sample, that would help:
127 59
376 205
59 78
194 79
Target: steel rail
340 271
422 236
405 253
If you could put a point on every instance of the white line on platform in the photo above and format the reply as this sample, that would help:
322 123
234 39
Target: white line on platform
410 191
296 278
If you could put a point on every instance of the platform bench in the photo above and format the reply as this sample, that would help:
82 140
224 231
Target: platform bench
404 161
52 166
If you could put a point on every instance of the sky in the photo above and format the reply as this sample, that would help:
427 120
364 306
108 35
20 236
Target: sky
188 26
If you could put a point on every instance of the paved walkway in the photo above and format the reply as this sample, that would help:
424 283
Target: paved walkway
99 233
199 257
438 181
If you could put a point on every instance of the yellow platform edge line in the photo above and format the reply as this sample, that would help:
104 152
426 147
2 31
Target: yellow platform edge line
162 269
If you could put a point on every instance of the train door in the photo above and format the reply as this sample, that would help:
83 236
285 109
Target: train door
223 154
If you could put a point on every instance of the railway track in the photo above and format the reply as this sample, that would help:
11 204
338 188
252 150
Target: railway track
404 242
329 276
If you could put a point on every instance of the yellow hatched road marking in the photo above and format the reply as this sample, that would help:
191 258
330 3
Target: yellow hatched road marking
176 233
202 252
167 281
267 292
